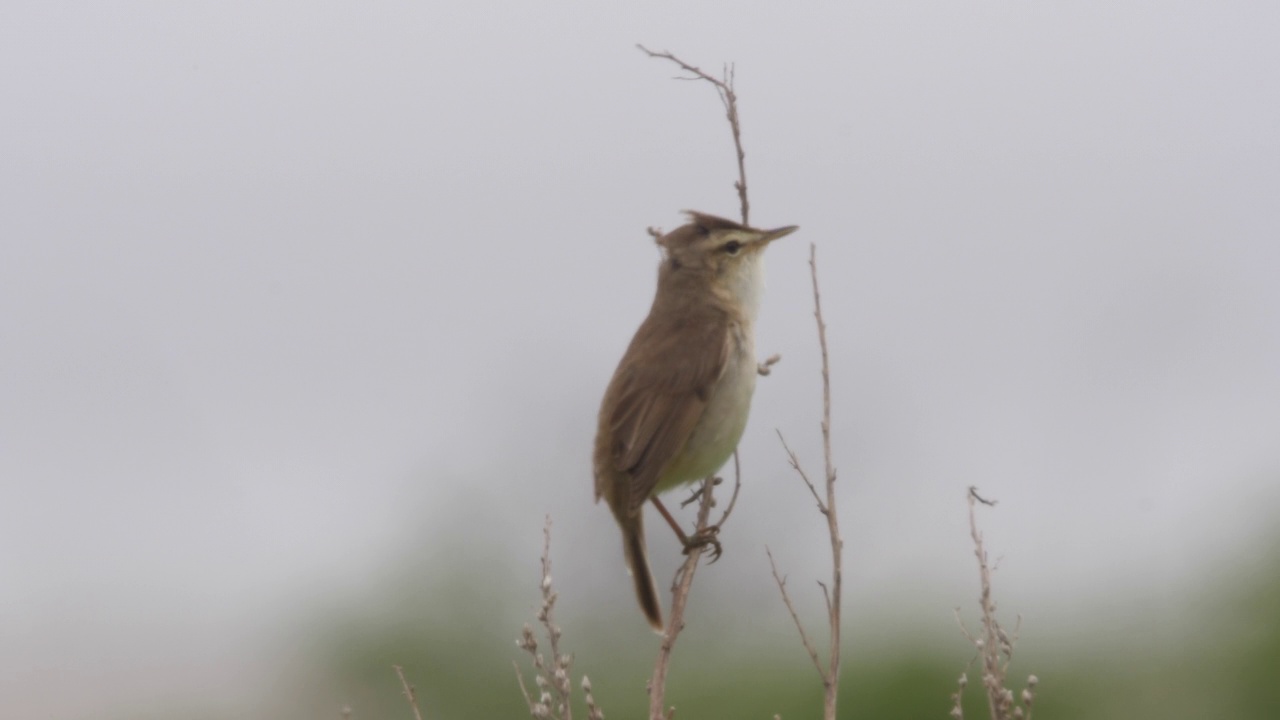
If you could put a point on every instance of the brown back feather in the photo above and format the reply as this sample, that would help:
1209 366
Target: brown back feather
660 398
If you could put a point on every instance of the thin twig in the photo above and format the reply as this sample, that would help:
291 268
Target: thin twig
973 495
528 699
724 87
832 686
733 499
994 645
552 674
409 693
992 672
831 594
795 465
680 588
786 599
826 595
737 486
560 662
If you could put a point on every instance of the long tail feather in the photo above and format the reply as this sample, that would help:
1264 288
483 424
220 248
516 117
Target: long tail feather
638 563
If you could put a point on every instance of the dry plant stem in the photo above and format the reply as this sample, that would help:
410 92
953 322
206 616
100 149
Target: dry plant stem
679 599
524 690
995 646
993 671
733 499
409 692
786 599
833 518
552 674
593 710
737 485
560 675
724 87
794 462
832 593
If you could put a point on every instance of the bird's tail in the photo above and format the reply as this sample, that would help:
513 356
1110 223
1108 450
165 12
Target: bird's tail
638 564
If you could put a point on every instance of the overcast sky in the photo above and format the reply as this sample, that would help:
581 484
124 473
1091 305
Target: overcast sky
284 286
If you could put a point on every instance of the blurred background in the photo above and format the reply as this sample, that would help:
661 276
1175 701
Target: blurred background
306 310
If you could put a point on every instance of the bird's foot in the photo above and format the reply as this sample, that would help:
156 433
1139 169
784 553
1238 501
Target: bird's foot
703 538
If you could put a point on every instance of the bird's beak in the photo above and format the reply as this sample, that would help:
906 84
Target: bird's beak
768 236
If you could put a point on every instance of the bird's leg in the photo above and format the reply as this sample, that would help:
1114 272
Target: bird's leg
684 539
702 538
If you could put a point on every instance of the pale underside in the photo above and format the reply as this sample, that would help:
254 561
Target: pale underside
678 404
723 420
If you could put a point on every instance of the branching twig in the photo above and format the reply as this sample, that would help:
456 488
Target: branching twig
794 462
680 588
995 646
552 675
832 684
724 87
733 499
786 599
831 595
409 693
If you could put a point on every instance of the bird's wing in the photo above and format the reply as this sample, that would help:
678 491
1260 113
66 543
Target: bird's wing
662 387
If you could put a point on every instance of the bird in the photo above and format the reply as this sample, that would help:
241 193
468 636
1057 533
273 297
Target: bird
678 402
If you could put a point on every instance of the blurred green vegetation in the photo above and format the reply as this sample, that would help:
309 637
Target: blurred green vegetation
458 649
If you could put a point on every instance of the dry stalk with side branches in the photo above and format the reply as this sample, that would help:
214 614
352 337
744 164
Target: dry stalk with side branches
994 645
829 671
724 87
680 588
409 693
552 674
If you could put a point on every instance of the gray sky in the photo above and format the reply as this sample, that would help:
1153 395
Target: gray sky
285 286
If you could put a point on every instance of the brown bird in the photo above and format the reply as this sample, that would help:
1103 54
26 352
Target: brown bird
678 402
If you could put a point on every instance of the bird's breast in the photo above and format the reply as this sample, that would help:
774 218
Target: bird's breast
718 431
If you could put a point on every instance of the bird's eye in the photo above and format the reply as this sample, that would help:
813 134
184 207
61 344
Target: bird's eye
732 247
